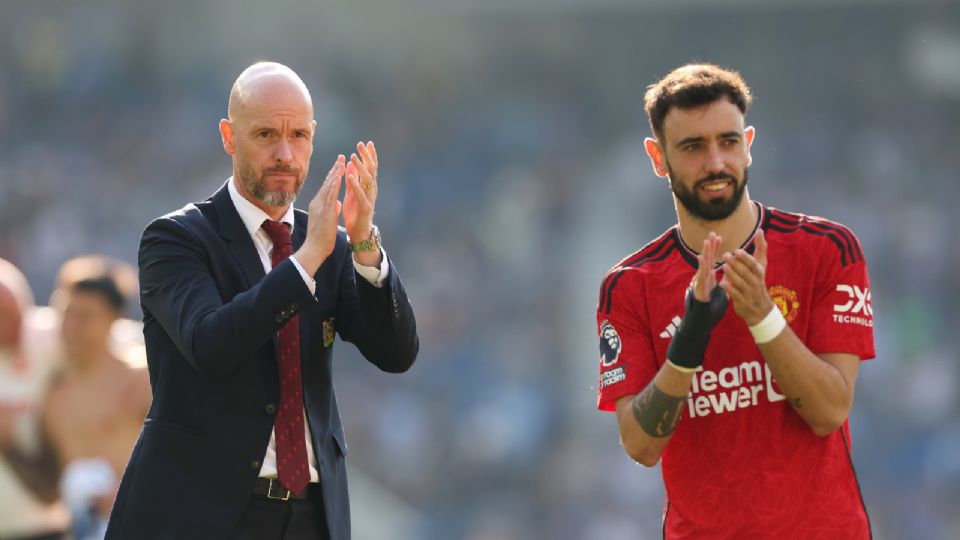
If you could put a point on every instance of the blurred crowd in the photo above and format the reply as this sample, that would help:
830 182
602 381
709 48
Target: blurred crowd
512 178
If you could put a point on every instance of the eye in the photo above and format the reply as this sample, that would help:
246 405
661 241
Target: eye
300 134
731 142
263 134
691 147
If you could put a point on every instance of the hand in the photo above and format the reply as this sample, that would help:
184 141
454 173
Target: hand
705 304
324 214
745 282
361 194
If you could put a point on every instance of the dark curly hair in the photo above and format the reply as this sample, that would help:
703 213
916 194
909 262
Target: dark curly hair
691 86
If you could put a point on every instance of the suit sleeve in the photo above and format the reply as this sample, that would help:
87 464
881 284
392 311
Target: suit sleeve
379 321
177 288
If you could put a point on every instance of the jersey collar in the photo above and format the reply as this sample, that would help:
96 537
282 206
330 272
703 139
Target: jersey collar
690 255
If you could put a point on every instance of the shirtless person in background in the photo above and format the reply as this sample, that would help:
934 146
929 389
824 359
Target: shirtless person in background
29 352
96 404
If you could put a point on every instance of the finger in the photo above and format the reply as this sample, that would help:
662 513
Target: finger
355 189
337 169
367 157
366 176
736 270
705 277
351 169
712 247
761 251
349 196
714 240
734 290
749 262
706 254
368 180
703 274
373 154
335 172
333 191
703 281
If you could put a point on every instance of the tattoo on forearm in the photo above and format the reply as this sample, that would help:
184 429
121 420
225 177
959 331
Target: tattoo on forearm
795 402
656 412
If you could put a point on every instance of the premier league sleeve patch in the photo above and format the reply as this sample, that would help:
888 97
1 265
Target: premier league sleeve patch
610 344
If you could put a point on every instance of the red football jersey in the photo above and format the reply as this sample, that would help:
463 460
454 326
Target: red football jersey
742 463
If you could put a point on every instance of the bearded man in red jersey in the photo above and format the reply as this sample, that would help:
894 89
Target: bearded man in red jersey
730 345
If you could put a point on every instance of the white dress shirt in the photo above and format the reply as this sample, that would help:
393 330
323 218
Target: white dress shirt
253 219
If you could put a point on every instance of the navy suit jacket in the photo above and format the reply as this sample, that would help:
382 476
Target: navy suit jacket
211 318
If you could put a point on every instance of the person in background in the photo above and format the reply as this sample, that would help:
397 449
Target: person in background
30 508
126 334
97 400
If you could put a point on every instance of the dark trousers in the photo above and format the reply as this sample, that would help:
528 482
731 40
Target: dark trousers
293 519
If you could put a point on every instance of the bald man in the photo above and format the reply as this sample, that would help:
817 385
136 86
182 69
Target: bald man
242 296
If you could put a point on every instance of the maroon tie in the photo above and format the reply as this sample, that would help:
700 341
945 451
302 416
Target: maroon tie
288 427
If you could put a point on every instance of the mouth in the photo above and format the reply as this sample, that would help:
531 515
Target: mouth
717 188
281 176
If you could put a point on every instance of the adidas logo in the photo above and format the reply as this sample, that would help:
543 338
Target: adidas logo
671 328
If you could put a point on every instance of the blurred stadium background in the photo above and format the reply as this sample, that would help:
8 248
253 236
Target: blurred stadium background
512 177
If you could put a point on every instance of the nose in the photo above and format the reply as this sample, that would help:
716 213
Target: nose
282 153
714 162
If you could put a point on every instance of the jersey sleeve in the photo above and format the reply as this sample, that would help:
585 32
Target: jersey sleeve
842 315
627 362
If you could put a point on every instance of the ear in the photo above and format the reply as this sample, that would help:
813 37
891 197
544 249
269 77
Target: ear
655 151
749 133
226 133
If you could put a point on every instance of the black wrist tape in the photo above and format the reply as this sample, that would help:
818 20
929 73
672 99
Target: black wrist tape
690 342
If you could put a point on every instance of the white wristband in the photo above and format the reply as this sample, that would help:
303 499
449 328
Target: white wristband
770 327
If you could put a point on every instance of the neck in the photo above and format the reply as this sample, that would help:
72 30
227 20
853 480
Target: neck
273 212
88 361
735 230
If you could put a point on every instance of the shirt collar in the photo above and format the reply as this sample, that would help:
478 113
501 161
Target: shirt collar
252 216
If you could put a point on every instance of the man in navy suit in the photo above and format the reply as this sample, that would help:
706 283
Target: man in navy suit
241 297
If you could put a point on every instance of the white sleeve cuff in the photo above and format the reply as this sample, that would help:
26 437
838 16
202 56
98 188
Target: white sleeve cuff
307 279
376 276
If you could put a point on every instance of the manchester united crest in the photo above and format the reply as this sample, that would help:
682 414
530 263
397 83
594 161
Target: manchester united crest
328 332
786 300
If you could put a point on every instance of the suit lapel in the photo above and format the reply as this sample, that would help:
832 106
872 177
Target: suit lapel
238 239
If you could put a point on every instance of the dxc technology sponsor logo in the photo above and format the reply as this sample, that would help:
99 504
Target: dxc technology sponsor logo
857 307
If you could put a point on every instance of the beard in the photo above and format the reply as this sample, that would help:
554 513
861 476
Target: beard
256 184
710 209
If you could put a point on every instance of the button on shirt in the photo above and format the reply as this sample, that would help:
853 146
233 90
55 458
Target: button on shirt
253 218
